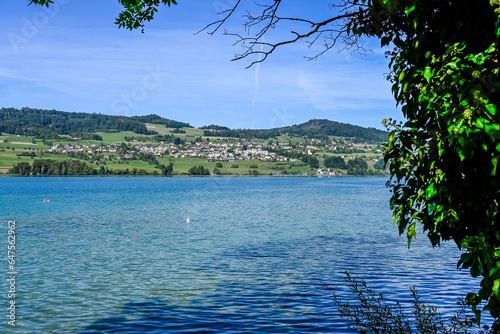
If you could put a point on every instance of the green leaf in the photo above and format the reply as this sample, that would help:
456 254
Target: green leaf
493 271
431 191
401 75
409 9
385 41
496 286
493 130
390 139
494 162
412 233
475 270
477 313
479 122
492 108
461 153
428 73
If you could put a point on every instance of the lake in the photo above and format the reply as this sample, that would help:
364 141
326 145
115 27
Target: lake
261 254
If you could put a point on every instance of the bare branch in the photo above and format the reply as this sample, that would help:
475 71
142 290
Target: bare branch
333 30
227 14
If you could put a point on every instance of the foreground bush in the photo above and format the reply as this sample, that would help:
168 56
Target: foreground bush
374 315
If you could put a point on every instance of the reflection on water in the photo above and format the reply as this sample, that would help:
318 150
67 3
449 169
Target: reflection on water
115 255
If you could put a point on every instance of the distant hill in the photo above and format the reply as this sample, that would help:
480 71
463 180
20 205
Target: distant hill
315 128
49 124
324 127
52 123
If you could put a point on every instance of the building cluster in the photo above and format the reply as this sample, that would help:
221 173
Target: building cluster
220 151
204 150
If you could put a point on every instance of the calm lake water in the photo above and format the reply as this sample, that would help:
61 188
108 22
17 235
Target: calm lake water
261 255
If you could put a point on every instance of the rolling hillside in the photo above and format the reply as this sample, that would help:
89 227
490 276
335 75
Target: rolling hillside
49 124
324 127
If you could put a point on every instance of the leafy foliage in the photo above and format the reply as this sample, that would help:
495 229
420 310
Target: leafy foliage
239 133
443 159
335 162
310 160
45 3
213 127
135 12
198 170
379 164
356 166
166 170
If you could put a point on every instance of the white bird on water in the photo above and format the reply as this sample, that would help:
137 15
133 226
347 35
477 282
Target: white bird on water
188 220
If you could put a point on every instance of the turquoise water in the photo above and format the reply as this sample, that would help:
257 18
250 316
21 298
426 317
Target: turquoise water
115 255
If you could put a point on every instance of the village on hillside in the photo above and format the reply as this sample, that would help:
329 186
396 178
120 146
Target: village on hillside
221 151
94 144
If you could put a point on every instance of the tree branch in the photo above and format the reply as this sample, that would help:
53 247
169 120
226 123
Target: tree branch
333 30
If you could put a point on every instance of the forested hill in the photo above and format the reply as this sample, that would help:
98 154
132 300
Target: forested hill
315 128
324 127
51 123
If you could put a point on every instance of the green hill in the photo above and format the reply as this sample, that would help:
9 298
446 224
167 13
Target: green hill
323 127
315 128
49 124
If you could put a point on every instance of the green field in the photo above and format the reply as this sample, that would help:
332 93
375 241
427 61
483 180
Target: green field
181 166
162 130
10 158
130 164
19 142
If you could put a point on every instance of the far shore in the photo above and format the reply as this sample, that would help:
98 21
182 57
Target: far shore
197 176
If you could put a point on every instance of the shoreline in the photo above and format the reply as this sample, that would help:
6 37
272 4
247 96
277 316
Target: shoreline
196 176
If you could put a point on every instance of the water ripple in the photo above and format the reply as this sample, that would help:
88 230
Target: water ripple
262 255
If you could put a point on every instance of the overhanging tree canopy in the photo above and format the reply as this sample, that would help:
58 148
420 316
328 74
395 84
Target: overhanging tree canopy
444 69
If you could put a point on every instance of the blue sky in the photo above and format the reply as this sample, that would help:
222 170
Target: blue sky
72 57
